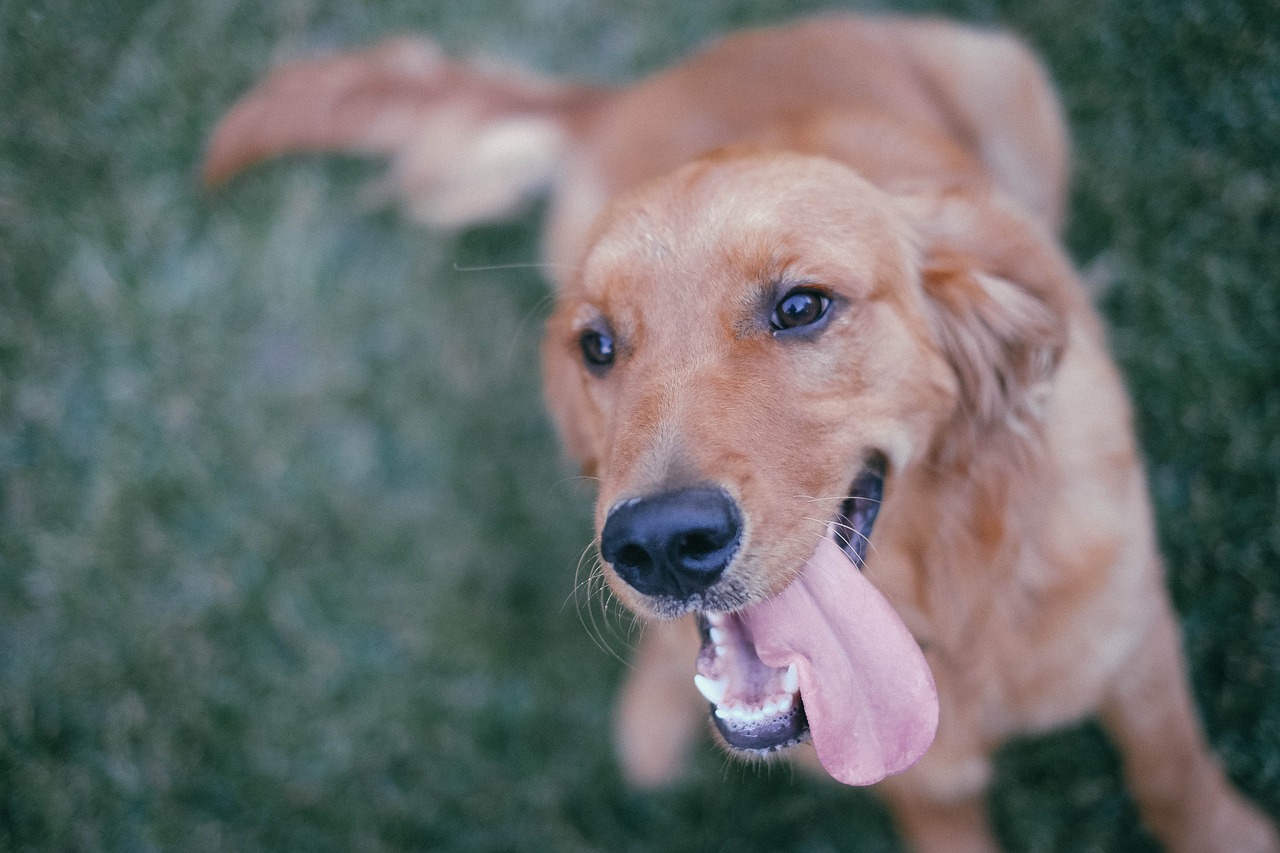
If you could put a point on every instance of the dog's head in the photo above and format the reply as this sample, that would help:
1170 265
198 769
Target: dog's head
755 348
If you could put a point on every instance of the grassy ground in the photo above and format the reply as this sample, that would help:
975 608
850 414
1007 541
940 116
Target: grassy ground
287 555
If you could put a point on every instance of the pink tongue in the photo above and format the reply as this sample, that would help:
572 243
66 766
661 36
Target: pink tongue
867 691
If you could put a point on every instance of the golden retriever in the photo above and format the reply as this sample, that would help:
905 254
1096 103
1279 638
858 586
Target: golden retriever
862 455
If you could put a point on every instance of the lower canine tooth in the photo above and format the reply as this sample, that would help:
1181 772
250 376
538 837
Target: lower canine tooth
712 691
791 679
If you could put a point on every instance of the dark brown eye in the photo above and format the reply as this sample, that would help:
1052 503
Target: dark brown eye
597 348
801 307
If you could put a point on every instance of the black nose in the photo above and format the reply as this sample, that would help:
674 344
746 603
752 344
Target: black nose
672 544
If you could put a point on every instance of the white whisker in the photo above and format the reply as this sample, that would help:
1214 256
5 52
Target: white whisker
589 593
521 265
840 498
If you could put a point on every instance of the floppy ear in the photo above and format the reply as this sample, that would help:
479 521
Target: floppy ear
468 144
998 293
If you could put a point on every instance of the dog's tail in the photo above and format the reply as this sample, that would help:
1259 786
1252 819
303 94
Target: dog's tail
467 143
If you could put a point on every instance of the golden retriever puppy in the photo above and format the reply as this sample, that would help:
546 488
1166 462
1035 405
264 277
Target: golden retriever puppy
862 455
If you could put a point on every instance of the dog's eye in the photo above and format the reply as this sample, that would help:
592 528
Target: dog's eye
597 348
801 307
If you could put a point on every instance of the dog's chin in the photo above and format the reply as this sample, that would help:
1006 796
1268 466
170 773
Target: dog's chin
756 708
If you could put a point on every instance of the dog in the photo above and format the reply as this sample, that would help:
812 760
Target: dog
863 459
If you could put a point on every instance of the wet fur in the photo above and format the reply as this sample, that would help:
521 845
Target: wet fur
1015 539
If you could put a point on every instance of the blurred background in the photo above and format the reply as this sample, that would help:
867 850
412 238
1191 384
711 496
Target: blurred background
288 556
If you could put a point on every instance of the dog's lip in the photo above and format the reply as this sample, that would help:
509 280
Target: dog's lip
858 512
758 709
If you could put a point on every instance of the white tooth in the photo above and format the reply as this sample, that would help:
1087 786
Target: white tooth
712 690
770 708
791 679
717 636
786 703
715 618
730 712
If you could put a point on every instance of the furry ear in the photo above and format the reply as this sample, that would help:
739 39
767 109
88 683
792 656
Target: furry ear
998 294
468 144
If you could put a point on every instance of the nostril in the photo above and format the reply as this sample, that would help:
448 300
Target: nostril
633 557
697 544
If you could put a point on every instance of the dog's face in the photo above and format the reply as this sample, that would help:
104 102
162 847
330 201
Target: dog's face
756 328
754 348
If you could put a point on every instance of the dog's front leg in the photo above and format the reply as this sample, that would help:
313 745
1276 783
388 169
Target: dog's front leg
1184 797
659 711
940 804
931 825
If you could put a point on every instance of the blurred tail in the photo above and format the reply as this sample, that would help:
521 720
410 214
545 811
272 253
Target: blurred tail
467 144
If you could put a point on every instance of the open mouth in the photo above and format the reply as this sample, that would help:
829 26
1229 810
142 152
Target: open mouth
758 708
826 659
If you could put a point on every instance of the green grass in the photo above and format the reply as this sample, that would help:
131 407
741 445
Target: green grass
287 554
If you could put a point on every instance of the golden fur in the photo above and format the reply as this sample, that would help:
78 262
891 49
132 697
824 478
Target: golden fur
916 171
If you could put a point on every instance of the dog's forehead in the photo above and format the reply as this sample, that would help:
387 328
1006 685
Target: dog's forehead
723 232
